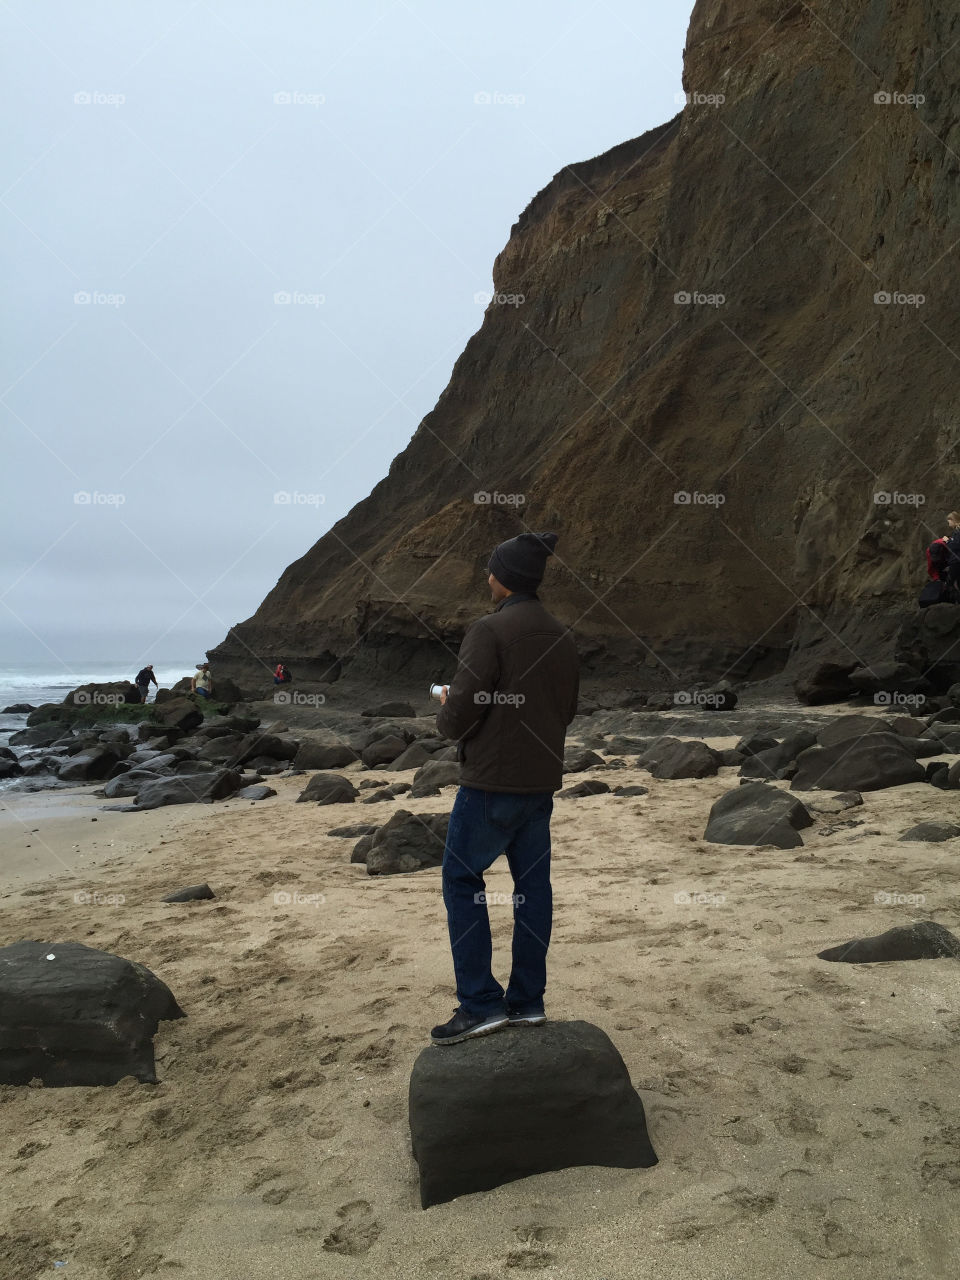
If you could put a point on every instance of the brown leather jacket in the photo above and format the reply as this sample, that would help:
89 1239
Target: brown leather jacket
512 698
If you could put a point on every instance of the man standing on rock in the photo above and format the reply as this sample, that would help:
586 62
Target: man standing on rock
142 681
514 693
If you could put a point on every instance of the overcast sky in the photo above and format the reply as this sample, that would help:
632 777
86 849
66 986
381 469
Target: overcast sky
171 169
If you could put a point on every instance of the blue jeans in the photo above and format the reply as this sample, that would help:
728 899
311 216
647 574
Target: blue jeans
484 824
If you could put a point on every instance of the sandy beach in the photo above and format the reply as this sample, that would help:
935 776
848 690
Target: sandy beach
805 1114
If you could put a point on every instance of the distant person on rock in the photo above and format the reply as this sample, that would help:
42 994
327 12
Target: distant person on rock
943 566
202 682
281 675
513 695
142 681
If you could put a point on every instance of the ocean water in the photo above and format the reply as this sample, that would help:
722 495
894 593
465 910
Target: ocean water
37 683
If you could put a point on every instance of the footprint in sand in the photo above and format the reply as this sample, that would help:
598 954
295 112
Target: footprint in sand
531 1252
357 1231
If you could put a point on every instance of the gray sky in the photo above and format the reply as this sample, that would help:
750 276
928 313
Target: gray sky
151 168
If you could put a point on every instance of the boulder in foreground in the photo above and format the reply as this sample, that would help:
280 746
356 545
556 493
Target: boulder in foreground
521 1102
924 940
71 1015
757 814
328 788
408 842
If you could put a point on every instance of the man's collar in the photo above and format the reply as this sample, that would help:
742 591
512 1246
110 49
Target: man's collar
516 597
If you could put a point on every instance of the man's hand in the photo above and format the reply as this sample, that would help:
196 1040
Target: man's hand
443 694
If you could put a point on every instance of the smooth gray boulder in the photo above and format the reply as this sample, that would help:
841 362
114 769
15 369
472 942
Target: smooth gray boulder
89 766
932 832
433 775
196 788
756 813
192 893
866 763
383 751
779 761
322 755
256 791
578 760
71 1015
412 758
408 842
853 726
489 1111
328 788
589 787
682 760
922 940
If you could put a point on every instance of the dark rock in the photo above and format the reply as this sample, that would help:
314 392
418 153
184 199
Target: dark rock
84 1017
352 832
255 792
390 709
938 775
193 893
222 748
923 748
754 743
779 761
322 755
412 758
328 788
562 1097
18 709
924 940
577 760
88 765
10 768
433 775
387 731
854 726
833 804
41 735
408 842
757 814
115 693
867 763
265 746
883 679
183 768
830 682
375 797
631 791
932 832
178 713
682 760
197 788
383 751
731 758
266 765
619 745
589 787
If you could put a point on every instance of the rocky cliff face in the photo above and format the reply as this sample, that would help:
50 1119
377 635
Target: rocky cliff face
743 447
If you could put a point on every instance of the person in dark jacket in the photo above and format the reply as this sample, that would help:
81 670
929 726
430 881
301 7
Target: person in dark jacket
513 695
142 681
